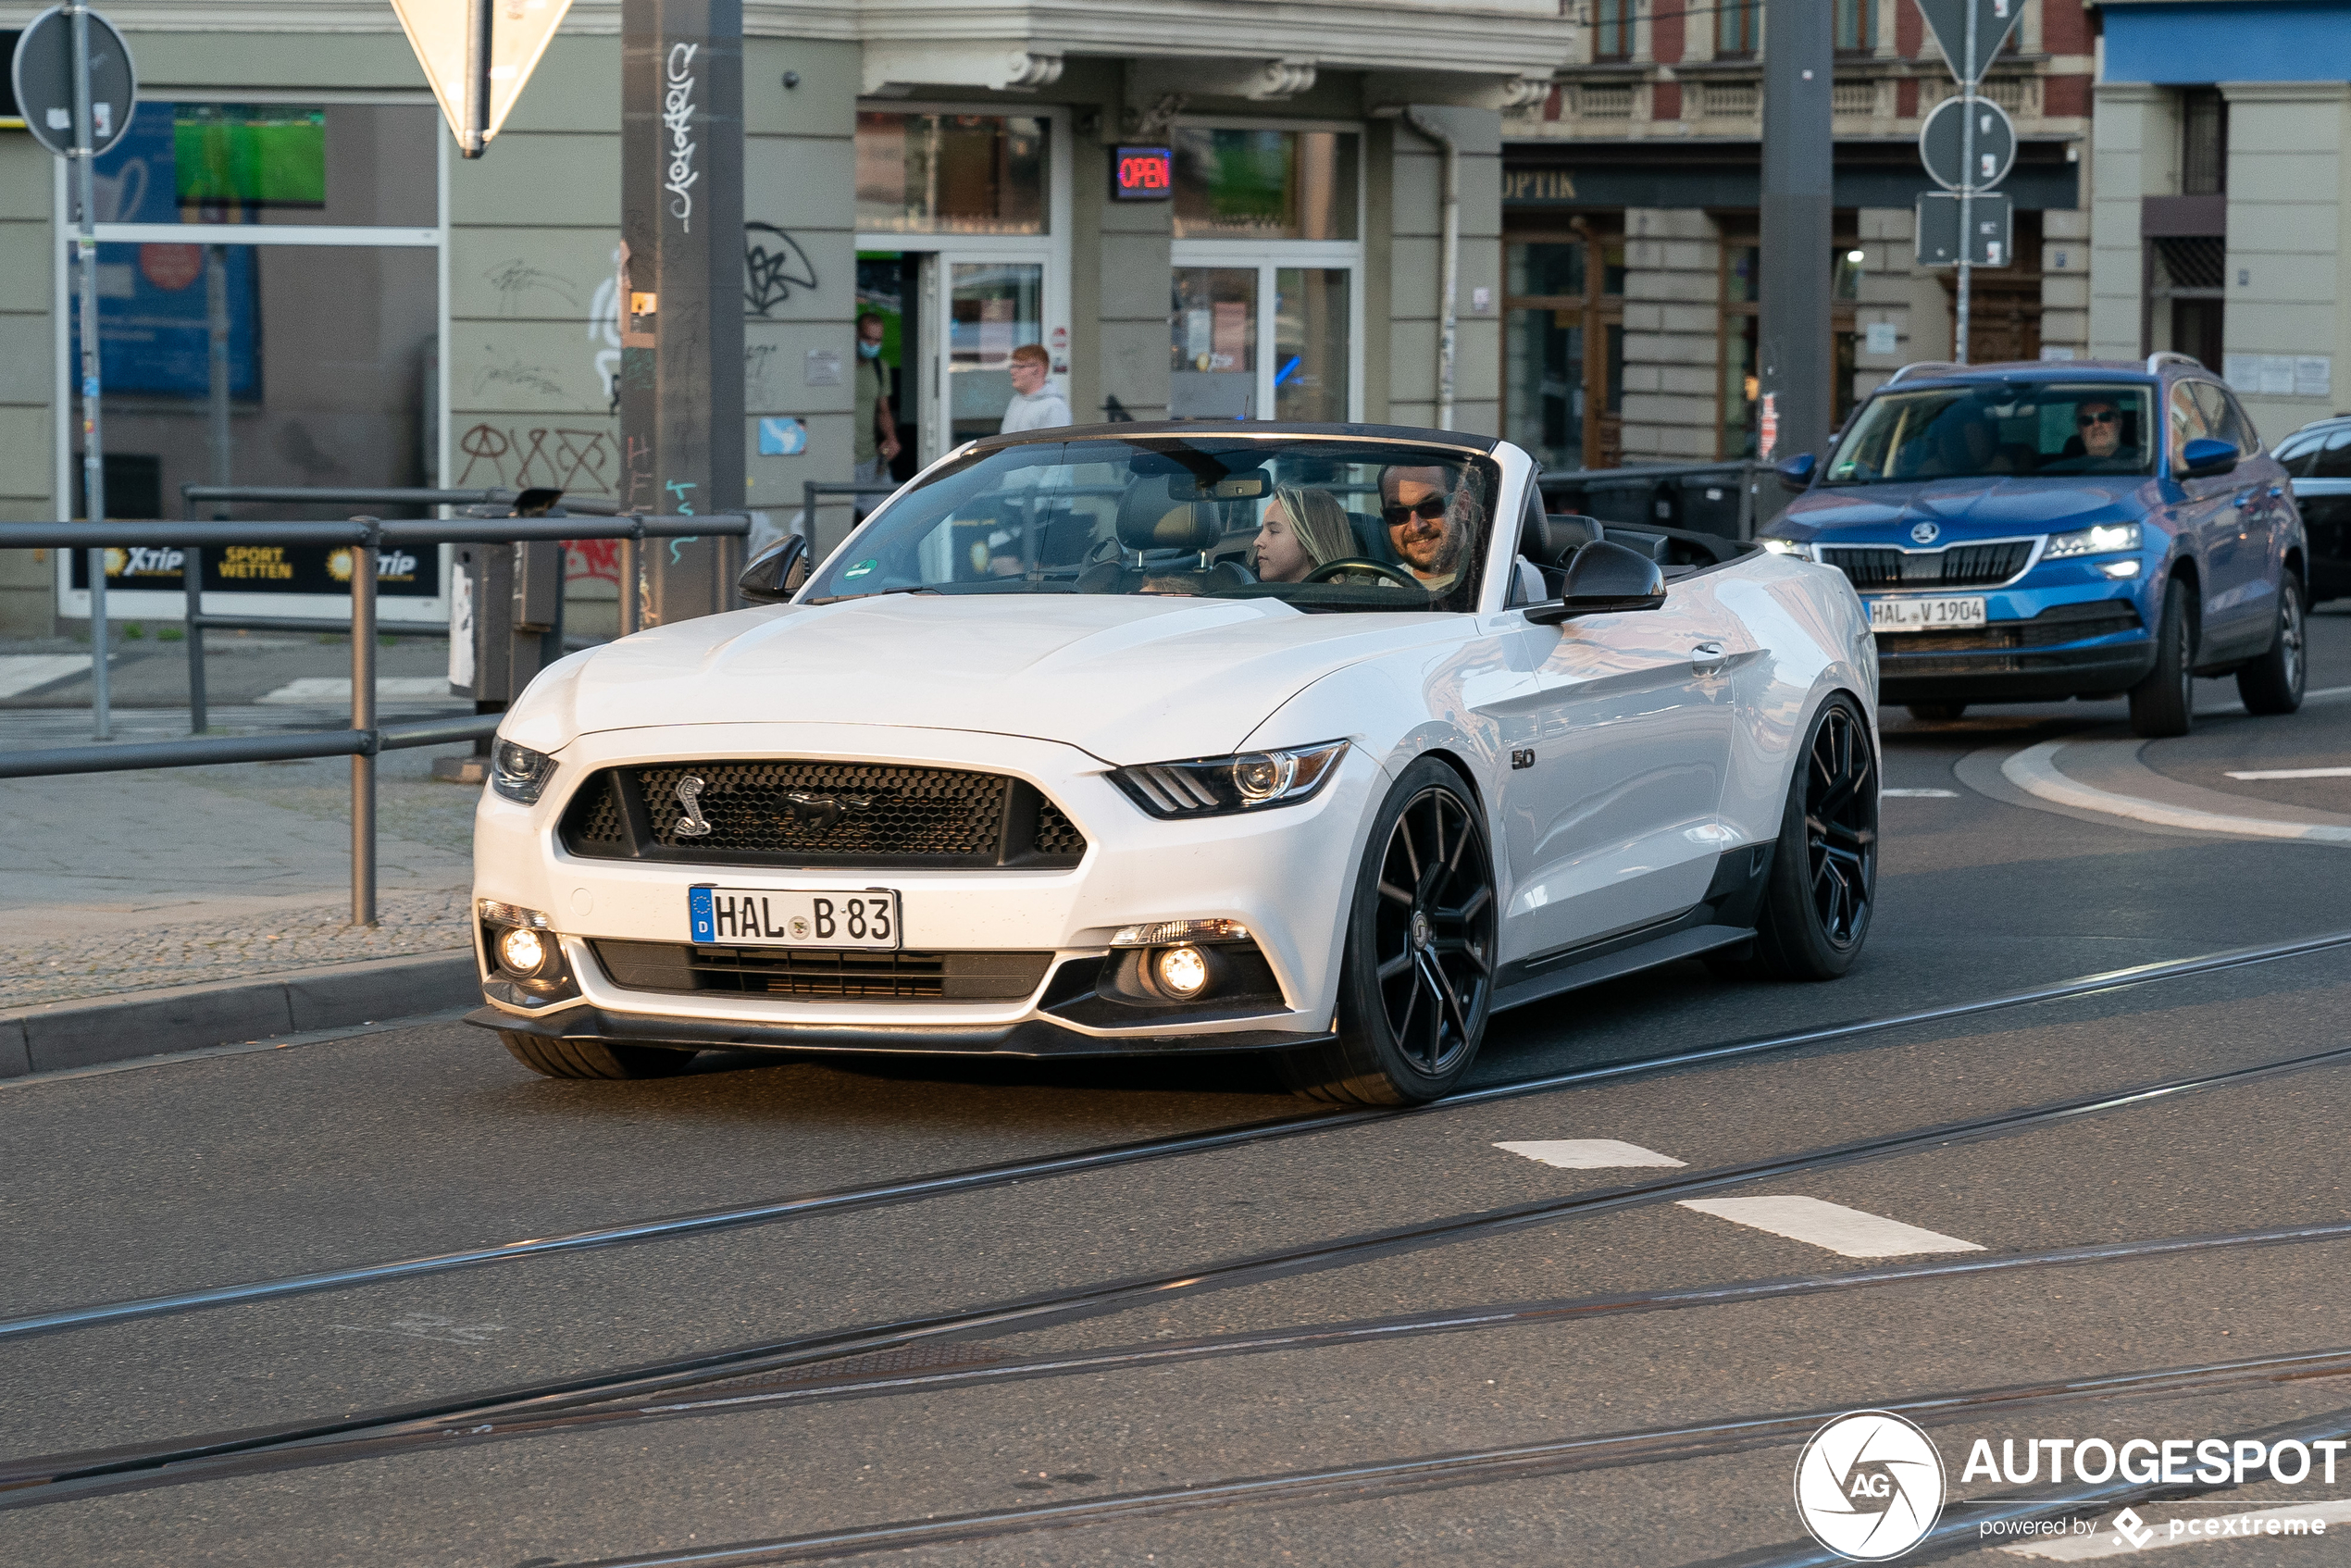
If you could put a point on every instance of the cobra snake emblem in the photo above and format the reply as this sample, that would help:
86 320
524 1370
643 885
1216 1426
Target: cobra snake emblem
694 826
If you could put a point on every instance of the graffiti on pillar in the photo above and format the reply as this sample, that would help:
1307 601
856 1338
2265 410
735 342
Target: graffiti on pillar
773 264
579 461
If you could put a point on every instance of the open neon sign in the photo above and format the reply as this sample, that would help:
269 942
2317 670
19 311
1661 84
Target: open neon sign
1142 174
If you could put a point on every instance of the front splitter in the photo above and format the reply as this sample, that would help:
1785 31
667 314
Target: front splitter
1031 1038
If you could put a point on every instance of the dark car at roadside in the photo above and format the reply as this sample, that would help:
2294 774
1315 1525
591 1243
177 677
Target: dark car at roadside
2033 531
2318 458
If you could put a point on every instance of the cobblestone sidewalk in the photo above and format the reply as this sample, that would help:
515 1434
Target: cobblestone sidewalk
147 956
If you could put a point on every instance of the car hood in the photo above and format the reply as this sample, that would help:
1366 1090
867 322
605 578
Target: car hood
1126 678
1962 509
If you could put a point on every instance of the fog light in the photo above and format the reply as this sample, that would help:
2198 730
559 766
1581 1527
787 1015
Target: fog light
2120 568
1183 972
521 951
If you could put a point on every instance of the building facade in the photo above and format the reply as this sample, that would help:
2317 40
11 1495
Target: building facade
1631 260
302 284
2223 196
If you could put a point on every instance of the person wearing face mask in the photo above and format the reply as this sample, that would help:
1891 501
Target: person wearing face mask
877 424
1035 405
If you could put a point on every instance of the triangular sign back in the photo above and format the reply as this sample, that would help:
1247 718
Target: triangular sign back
519 32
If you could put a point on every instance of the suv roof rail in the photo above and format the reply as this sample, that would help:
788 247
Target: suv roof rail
2163 356
1924 365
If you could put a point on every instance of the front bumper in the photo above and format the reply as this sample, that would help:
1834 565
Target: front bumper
2029 651
1281 872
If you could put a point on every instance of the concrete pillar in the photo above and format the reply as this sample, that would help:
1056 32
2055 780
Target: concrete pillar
1672 319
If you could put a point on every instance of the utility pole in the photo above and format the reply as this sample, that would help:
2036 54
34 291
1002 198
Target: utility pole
681 292
93 459
1795 367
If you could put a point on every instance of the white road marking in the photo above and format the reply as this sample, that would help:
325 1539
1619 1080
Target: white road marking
318 690
1919 794
2297 773
1589 1153
2034 770
24 672
1847 1232
2107 1543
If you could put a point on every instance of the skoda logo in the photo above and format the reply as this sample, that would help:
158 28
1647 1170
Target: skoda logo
1870 1486
1924 533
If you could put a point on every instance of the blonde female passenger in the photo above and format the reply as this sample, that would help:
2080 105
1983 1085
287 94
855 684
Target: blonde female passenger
1302 529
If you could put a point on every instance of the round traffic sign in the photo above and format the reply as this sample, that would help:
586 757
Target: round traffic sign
42 72
1942 144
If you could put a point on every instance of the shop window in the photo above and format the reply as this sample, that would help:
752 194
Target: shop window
272 361
1740 358
1238 184
1738 28
1613 30
952 174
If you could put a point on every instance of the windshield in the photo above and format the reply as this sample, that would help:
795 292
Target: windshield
1319 522
1996 428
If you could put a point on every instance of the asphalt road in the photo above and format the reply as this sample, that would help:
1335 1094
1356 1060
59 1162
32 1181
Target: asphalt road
1387 1341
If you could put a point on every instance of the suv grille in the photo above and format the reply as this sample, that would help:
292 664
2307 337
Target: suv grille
832 974
1961 566
820 813
2062 623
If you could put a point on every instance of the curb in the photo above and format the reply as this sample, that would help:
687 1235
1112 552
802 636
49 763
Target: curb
64 1035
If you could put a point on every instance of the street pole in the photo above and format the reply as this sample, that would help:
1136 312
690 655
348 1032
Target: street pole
1966 183
681 290
1794 366
475 138
93 462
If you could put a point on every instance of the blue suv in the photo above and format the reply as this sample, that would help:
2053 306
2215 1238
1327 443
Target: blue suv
2031 532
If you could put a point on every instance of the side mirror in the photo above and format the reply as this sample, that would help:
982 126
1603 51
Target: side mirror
2205 459
774 577
1798 469
1604 578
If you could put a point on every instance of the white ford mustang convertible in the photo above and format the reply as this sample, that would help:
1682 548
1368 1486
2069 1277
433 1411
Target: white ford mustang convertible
1322 740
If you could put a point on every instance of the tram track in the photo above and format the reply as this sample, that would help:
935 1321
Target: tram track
831 1382
1108 1156
34 1481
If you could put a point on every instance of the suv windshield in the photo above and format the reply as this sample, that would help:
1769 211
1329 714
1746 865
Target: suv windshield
1996 428
1323 523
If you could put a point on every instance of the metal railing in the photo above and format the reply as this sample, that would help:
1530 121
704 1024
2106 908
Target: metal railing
366 737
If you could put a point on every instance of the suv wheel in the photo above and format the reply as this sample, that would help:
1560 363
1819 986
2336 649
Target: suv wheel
2163 703
2272 683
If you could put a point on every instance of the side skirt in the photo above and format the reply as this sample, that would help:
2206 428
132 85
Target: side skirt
1724 918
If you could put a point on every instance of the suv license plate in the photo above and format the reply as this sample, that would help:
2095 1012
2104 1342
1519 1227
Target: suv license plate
1924 614
770 917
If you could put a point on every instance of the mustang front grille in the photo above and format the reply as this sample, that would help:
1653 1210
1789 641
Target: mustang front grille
1961 566
823 974
816 814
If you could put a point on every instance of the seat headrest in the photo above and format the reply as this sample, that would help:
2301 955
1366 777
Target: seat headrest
1548 539
1149 520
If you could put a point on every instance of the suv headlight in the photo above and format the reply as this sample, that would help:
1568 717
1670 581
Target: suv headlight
2104 540
519 773
1221 785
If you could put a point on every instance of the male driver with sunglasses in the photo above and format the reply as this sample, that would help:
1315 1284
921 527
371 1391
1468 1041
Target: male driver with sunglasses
2100 424
1414 506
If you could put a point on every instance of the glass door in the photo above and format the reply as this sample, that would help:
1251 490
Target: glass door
1312 339
993 307
1261 333
1564 350
1212 344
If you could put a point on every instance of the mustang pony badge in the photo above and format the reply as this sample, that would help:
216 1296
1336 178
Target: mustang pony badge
821 812
694 826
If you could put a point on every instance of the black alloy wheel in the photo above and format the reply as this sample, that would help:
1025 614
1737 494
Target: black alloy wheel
1823 887
2272 683
1418 973
1840 825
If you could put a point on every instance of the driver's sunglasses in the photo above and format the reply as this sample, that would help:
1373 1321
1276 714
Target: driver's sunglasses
1429 507
2085 419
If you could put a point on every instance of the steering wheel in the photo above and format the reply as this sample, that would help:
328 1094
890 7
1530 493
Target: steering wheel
1349 564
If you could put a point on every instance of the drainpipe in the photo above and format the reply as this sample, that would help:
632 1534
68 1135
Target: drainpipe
1449 261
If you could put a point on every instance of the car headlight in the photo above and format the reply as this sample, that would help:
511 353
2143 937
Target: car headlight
2104 540
1786 547
1221 785
519 773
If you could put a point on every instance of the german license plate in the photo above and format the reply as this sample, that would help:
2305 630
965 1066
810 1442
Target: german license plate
766 917
1924 614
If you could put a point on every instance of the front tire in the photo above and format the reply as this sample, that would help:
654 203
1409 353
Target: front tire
1418 976
1823 884
593 1058
2272 683
2163 703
